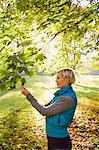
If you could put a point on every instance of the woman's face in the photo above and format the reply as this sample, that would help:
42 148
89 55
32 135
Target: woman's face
60 81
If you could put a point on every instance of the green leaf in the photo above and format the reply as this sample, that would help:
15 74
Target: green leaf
40 57
32 73
23 80
2 86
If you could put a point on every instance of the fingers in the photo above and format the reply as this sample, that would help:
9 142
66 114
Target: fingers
24 90
23 87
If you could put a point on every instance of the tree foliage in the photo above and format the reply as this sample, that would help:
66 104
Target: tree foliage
24 20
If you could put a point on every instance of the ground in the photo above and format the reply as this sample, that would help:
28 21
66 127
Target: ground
23 128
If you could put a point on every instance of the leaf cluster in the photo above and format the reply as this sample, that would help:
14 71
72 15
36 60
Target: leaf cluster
65 19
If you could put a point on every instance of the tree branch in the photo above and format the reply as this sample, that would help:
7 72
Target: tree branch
57 34
35 52
67 2
4 46
76 23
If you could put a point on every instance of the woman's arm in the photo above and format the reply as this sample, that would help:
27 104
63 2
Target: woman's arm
52 109
59 106
47 104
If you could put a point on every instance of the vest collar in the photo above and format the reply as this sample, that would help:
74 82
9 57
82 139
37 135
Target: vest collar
63 90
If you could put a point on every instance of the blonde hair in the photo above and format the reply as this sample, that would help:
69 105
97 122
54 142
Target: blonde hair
68 74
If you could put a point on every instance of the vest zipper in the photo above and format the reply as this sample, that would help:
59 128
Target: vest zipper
59 120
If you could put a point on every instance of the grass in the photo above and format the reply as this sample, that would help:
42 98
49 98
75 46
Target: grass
22 127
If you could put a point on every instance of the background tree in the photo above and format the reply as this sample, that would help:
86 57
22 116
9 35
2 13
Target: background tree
72 25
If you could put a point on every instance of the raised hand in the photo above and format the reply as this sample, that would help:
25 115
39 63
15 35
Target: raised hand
24 90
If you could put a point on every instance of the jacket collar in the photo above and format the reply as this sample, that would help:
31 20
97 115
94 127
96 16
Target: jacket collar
63 90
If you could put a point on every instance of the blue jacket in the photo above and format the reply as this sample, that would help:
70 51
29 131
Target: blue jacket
56 125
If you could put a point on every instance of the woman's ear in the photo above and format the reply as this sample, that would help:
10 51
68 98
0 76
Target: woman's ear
66 82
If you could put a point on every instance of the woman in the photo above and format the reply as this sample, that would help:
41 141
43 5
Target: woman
59 111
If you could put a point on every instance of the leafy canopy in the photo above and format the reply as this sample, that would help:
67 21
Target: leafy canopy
73 26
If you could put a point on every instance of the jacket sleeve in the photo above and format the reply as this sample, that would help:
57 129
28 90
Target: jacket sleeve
47 104
52 109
